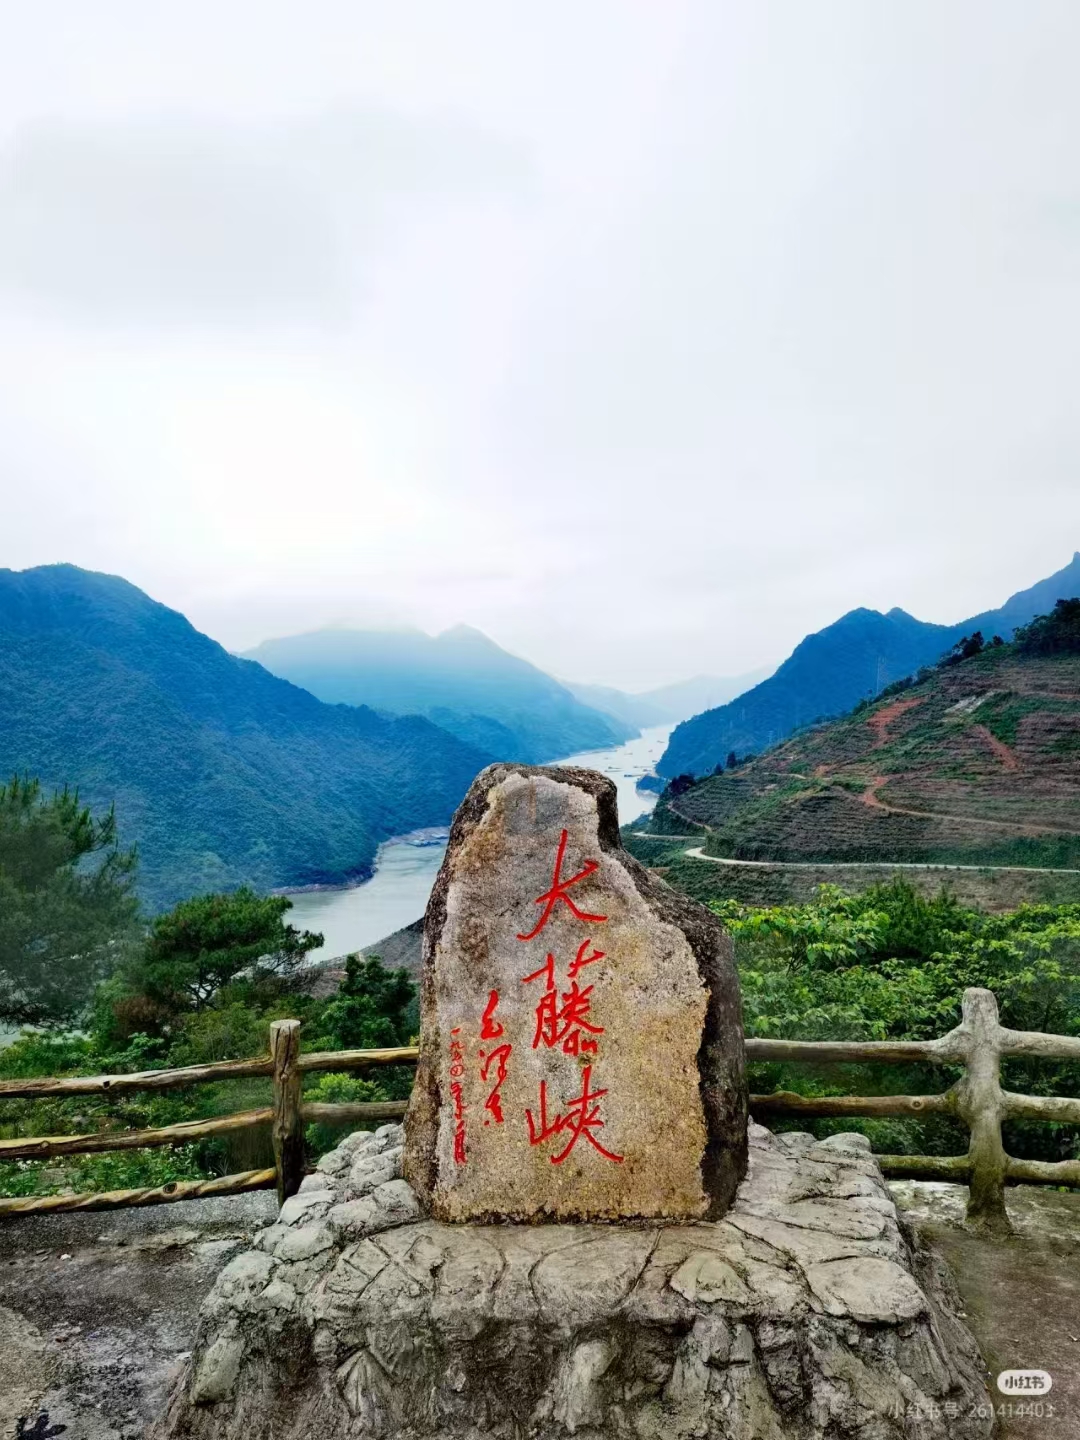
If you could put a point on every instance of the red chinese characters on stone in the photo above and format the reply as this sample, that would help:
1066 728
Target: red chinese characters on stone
566 1023
457 1093
490 1029
580 960
581 1118
563 1019
497 1059
550 898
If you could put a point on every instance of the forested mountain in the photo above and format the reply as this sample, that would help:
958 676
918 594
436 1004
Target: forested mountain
830 671
221 773
978 763
460 679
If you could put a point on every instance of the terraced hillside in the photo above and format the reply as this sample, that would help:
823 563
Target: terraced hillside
835 668
979 763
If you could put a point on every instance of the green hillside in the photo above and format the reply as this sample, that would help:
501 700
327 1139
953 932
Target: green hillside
977 764
221 773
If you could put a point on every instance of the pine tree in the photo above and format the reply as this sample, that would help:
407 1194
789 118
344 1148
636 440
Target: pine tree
67 911
373 1007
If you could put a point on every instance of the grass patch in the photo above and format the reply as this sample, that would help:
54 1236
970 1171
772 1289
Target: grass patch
1004 714
654 850
1041 852
854 787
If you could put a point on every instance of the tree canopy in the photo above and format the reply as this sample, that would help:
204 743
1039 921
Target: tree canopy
890 963
681 784
198 953
374 1006
1055 634
966 648
67 911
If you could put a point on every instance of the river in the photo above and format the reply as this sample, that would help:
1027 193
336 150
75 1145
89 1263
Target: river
351 918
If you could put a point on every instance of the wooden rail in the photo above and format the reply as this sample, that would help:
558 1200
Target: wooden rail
240 1184
41 1089
286 1117
46 1146
976 1046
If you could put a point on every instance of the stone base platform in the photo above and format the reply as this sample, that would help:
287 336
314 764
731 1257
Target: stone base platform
804 1315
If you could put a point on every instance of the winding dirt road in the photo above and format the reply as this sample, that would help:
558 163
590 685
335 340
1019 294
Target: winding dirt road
695 852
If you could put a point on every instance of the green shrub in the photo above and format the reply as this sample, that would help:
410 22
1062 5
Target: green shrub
115 1170
340 1089
889 964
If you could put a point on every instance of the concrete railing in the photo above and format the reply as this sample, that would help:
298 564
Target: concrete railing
978 1044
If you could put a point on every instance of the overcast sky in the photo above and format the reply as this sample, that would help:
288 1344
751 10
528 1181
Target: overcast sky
644 336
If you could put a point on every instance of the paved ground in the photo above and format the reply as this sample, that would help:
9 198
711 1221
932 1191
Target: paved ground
98 1311
1022 1296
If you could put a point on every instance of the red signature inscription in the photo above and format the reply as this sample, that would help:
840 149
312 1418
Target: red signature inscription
457 1094
497 1058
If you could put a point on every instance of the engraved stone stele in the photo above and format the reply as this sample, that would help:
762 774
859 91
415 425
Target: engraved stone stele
581 1050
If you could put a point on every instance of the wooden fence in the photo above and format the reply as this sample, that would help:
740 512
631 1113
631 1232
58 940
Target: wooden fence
286 1116
977 1045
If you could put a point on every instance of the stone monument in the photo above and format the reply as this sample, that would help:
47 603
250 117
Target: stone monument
581 1065
581 1053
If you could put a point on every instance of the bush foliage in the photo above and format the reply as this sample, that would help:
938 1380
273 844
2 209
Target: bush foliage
202 984
891 964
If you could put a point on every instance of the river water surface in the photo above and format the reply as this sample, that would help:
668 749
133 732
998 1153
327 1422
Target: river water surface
405 868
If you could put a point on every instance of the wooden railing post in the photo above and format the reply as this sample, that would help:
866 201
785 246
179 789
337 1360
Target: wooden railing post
981 1104
288 1127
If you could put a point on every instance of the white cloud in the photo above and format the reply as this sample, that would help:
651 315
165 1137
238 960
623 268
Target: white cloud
646 338
154 221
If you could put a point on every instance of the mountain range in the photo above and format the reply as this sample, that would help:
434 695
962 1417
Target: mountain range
460 680
668 703
221 773
224 773
977 764
833 669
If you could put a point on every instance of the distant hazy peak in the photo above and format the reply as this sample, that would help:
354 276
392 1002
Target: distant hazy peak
700 679
863 613
461 678
330 636
466 633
